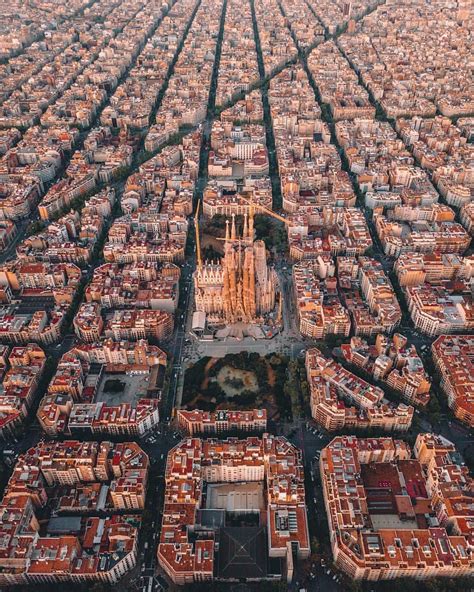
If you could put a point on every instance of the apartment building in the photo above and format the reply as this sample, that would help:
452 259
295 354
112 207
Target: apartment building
393 361
21 369
453 358
217 422
319 309
394 513
339 399
194 464
80 548
77 400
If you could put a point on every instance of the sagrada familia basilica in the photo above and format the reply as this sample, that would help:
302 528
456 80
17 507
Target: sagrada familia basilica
242 287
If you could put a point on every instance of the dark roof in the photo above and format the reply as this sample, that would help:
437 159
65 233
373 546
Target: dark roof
242 552
64 525
211 518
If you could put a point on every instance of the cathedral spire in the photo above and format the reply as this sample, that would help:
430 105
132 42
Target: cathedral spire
227 233
233 233
251 215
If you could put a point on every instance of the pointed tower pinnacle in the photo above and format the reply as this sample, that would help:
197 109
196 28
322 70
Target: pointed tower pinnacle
227 232
233 231
251 215
246 230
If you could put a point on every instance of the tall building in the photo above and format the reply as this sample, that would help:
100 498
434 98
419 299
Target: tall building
240 288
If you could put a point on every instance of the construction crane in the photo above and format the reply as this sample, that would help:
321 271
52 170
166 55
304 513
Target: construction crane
198 238
265 210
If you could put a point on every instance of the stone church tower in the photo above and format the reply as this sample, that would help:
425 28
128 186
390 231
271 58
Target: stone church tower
242 287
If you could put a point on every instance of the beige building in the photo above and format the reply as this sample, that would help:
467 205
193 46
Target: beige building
241 288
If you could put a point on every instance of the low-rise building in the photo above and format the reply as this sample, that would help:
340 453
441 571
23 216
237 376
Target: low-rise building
414 269
427 229
139 324
331 230
144 284
338 85
71 238
368 294
319 309
8 232
467 217
442 148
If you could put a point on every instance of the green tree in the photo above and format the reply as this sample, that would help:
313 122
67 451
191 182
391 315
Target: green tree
292 388
434 408
35 227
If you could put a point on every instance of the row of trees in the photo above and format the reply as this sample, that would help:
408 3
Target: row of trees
297 388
